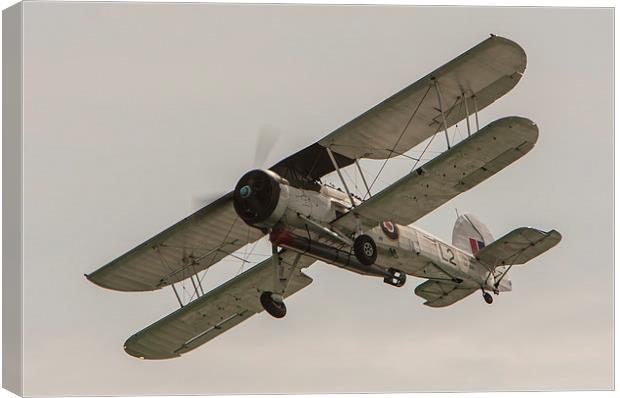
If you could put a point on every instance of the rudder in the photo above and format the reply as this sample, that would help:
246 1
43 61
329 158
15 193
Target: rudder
470 234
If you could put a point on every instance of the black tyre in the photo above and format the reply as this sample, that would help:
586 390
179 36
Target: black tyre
365 249
274 308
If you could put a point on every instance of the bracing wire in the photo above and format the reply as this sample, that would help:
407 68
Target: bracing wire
431 140
399 138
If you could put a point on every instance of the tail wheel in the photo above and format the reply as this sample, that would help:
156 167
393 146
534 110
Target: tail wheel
275 308
365 249
487 298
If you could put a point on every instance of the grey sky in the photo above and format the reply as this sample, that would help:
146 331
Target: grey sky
132 109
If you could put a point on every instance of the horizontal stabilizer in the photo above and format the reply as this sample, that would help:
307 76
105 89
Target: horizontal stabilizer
444 293
215 312
518 246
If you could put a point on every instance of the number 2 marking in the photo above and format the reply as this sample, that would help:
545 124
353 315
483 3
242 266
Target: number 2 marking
450 253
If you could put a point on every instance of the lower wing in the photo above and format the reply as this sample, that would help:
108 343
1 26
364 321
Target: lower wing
216 312
455 171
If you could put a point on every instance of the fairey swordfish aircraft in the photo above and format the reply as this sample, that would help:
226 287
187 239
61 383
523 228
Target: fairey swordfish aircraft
308 220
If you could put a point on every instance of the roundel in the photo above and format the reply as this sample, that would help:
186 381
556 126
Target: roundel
389 229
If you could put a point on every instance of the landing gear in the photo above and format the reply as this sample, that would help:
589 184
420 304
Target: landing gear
487 297
365 249
397 278
273 304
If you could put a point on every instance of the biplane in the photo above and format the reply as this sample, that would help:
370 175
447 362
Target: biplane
307 220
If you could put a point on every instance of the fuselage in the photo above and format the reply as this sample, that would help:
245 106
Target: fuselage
307 214
418 253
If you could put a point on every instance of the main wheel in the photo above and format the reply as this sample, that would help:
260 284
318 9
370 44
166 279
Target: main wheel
365 249
276 309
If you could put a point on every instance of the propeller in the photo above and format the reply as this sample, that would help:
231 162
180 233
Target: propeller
266 139
199 201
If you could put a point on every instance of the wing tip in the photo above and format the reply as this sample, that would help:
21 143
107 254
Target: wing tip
436 304
524 126
557 236
510 48
145 357
504 41
130 348
92 277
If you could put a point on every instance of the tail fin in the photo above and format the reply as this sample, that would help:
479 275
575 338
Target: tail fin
470 234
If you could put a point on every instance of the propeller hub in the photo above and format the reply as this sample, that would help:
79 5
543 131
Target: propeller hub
245 191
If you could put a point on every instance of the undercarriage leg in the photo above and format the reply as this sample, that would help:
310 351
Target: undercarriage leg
273 302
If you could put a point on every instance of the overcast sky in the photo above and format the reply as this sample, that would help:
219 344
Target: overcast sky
133 109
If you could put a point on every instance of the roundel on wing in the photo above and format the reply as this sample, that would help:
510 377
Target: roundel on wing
389 229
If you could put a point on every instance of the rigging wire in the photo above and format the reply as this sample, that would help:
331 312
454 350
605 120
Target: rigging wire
456 126
432 138
215 253
399 138
171 269
247 258
354 182
422 154
365 171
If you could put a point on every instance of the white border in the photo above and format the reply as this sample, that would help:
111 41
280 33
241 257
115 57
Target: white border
539 3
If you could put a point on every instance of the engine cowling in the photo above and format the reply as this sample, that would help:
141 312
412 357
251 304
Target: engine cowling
261 198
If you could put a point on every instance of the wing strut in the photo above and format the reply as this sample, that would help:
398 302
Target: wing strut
498 281
443 115
467 118
280 278
333 159
174 289
359 168
195 286
476 112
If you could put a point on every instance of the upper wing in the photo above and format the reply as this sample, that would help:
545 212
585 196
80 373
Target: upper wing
215 312
486 72
187 247
443 293
468 163
518 246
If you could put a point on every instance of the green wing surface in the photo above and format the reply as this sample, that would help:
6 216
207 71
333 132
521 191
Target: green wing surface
216 312
457 170
186 248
